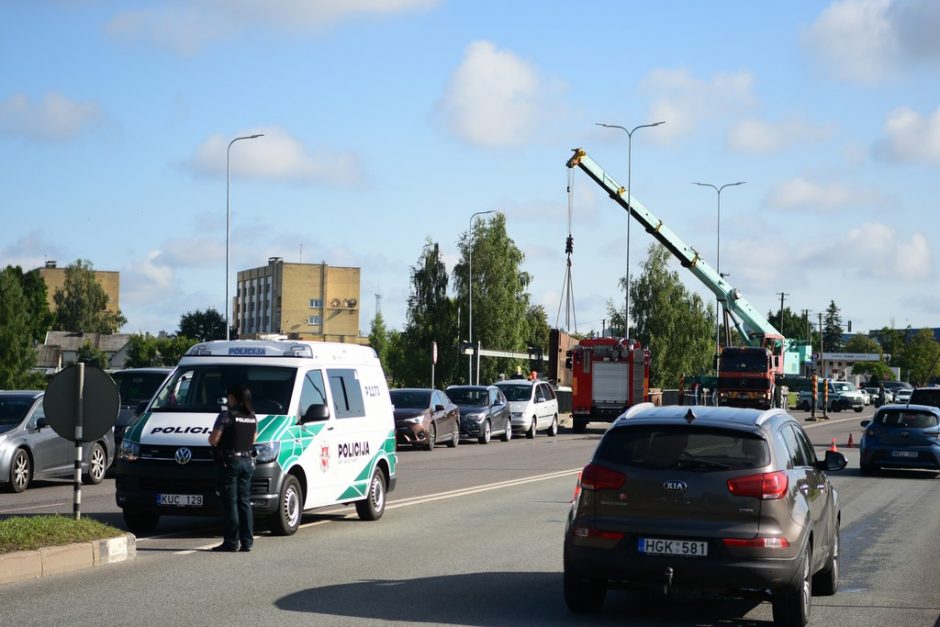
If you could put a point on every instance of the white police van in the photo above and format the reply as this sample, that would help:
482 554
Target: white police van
326 433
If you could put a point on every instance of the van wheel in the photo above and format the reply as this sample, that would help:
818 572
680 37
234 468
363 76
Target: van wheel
140 520
21 471
579 425
432 438
826 581
583 595
791 605
290 505
454 437
373 506
531 432
553 430
487 433
97 465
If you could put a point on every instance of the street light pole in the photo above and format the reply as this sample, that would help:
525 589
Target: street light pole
228 220
626 310
718 255
470 293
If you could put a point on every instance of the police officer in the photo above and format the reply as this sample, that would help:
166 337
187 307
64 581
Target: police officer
233 437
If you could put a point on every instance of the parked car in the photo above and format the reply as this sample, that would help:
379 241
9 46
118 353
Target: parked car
533 406
866 395
425 417
901 436
874 394
842 395
712 499
484 412
136 387
30 449
903 395
926 396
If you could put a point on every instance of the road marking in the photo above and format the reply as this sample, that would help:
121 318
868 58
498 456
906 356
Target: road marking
32 507
416 500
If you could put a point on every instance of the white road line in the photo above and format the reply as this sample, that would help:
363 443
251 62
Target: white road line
32 507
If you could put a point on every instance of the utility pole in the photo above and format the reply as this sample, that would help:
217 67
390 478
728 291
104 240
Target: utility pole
821 372
782 295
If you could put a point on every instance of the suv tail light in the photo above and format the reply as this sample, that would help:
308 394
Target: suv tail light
757 543
595 477
766 486
599 534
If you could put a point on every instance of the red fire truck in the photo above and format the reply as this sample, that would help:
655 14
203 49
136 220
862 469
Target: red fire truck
608 375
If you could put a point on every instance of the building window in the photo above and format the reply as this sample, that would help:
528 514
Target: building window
314 321
315 303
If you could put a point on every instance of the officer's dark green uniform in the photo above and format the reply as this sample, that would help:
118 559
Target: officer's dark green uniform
236 467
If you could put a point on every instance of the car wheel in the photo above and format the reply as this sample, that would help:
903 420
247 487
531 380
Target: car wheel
826 581
432 438
97 465
140 520
373 506
21 471
290 505
487 433
553 430
455 436
579 425
584 595
858 410
531 432
507 434
791 605
867 469
804 405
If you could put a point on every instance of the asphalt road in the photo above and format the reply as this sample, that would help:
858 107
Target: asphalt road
472 536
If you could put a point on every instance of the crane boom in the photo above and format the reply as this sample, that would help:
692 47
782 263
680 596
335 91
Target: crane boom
754 329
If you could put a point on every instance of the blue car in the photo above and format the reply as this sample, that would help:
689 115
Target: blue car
901 436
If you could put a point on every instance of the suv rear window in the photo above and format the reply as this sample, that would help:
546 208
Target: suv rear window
681 447
904 418
926 396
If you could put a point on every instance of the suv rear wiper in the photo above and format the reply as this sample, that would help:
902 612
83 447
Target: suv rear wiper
704 464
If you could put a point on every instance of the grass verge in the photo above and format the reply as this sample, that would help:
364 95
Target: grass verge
28 533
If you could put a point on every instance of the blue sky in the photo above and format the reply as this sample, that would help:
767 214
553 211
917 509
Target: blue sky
390 121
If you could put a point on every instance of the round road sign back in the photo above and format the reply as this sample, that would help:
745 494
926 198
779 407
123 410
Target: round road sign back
100 406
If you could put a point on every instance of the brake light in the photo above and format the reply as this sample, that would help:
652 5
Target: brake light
765 486
599 534
757 543
595 477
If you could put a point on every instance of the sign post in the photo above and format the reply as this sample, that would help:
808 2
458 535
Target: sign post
433 361
81 404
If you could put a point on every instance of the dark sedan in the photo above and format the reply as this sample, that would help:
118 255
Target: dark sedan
484 412
424 417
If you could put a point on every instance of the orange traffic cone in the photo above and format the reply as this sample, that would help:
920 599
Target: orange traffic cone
851 443
833 447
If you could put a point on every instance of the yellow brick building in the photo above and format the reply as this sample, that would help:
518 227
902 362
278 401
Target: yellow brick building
54 278
304 301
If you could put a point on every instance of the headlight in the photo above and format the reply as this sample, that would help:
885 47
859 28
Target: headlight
130 451
475 417
516 414
414 420
267 452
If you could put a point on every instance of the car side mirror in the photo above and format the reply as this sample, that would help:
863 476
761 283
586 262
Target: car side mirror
42 423
865 423
141 406
438 408
315 413
834 460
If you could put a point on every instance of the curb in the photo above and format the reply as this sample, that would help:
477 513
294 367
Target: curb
53 560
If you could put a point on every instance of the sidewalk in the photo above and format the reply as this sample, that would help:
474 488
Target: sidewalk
54 560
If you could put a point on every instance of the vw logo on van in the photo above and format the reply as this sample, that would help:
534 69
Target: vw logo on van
183 455
675 486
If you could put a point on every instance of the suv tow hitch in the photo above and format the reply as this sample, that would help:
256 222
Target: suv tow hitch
667 585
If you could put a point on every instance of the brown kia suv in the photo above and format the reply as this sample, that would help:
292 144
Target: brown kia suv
713 499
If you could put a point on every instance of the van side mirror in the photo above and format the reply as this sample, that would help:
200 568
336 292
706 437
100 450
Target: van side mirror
141 406
315 413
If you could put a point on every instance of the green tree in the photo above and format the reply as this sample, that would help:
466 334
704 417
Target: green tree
892 341
148 351
202 326
37 307
92 356
17 351
793 326
919 358
675 324
877 371
500 299
538 332
861 343
832 329
378 340
431 318
81 304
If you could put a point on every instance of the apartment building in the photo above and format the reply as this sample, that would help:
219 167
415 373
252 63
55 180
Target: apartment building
308 301
54 278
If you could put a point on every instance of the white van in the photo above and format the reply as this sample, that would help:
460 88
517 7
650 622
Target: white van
326 433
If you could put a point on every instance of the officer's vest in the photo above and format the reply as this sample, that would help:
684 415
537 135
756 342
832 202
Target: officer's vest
240 435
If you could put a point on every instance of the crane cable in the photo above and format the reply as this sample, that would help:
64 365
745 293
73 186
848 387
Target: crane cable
567 287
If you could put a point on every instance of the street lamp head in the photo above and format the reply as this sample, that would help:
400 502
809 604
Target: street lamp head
255 136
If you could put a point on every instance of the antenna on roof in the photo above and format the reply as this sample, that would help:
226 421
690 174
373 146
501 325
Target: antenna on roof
690 416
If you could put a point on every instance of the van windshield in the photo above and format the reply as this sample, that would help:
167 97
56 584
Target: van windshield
202 388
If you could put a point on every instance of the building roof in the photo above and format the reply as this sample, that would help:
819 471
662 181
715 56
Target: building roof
69 341
48 356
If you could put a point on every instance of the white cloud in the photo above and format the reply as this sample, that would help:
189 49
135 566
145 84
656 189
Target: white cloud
759 137
685 102
876 250
495 98
187 27
911 136
871 40
803 194
32 250
54 118
276 156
